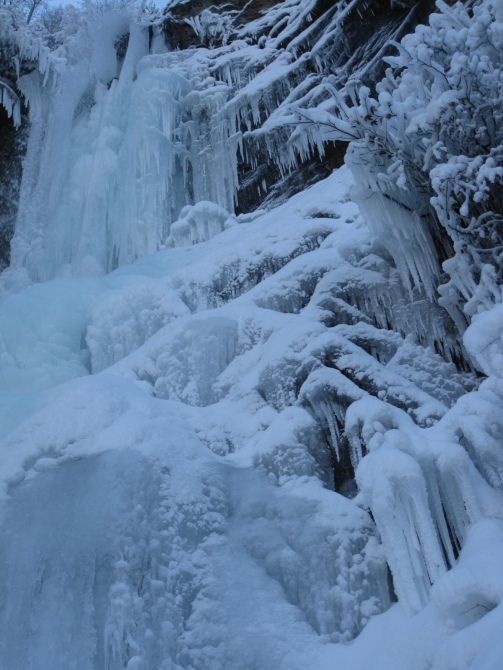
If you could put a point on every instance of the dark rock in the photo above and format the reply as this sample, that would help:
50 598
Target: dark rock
12 151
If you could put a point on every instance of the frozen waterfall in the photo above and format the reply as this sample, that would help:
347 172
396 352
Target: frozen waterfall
132 142
231 441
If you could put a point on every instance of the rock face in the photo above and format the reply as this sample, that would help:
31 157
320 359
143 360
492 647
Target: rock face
12 150
12 146
353 41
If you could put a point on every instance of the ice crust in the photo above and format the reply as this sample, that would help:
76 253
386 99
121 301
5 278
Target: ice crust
179 446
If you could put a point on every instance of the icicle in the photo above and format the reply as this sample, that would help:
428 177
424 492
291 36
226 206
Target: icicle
332 425
395 490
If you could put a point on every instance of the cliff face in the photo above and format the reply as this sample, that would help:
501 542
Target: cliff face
322 38
12 150
318 38
13 140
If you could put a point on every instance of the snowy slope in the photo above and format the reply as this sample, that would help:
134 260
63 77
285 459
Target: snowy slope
176 507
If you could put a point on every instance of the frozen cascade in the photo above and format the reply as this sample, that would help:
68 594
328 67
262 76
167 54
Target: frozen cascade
132 146
232 442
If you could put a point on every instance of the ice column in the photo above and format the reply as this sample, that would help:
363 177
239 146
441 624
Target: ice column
104 176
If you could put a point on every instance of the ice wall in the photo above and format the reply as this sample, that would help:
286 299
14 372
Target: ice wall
117 149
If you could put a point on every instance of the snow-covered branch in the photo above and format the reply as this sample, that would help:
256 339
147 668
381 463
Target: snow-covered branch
431 140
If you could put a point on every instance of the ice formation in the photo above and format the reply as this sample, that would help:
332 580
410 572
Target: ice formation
237 383
235 441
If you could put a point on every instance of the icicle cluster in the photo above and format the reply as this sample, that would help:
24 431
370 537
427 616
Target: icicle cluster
132 142
428 149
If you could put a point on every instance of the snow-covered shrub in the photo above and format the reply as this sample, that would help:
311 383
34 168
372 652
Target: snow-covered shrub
36 36
428 149
199 223
41 46
211 28
10 21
